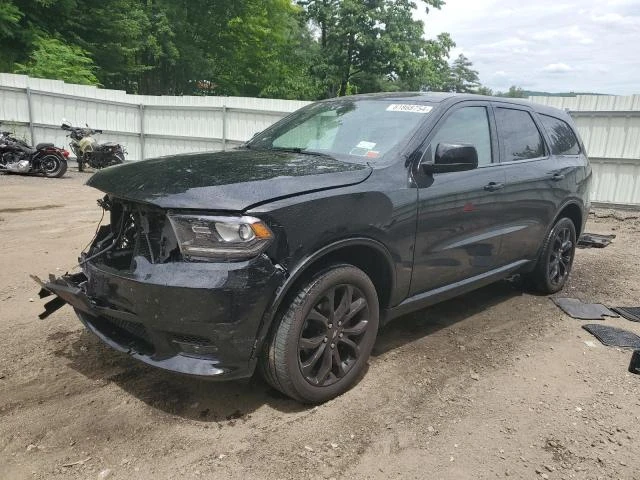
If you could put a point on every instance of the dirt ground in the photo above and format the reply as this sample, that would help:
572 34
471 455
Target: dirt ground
498 383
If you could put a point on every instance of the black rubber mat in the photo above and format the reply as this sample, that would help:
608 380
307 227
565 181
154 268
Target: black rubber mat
634 365
583 311
630 313
612 336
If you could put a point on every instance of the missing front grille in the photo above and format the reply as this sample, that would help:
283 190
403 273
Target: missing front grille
135 231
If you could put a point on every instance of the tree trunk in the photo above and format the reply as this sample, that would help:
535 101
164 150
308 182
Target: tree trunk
346 73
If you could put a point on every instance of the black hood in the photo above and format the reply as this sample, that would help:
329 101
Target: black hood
234 180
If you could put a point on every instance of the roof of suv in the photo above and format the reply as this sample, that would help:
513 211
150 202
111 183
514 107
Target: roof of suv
440 97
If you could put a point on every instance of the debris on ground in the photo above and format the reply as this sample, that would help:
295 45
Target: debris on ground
594 240
79 462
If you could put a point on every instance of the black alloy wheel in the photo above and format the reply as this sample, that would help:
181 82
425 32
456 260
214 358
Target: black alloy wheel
329 343
322 340
556 258
561 256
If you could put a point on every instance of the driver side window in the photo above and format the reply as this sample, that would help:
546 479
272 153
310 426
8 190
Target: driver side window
468 125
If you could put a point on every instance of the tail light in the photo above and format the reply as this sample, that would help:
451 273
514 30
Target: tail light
65 153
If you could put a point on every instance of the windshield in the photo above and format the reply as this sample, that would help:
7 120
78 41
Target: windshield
354 130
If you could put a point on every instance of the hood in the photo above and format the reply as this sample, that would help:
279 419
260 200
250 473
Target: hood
233 180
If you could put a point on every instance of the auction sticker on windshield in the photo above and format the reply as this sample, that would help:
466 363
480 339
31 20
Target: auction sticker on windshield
406 107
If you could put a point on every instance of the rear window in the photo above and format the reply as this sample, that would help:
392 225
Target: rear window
563 138
519 136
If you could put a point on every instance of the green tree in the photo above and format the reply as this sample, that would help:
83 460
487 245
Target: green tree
513 92
307 49
482 90
463 78
370 44
53 58
10 16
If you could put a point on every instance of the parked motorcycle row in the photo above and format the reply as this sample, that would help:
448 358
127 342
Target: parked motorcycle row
16 156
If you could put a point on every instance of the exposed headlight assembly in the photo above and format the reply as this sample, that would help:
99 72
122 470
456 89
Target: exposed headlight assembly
220 238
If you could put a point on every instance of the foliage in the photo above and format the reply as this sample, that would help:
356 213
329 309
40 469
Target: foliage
513 92
10 15
55 59
297 49
373 44
463 78
482 90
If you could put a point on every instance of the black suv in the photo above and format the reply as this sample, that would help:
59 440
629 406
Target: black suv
290 252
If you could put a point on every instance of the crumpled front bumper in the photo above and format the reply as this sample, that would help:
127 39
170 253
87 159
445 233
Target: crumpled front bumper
192 318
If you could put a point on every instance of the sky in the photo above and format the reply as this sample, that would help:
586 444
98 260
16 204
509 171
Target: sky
547 45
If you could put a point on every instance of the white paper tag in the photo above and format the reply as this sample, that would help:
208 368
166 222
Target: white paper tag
406 107
367 145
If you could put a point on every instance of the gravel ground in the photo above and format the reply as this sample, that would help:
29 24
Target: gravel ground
497 383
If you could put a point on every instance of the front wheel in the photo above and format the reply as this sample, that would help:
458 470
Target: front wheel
556 258
116 159
322 341
53 166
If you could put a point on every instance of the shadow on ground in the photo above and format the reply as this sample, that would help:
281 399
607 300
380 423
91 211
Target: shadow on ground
230 402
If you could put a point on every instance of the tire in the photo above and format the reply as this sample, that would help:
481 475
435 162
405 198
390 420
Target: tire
52 166
317 352
556 258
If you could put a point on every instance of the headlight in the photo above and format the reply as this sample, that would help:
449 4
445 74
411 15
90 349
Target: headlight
222 238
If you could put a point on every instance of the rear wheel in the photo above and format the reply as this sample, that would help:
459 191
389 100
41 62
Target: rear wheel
324 337
556 258
53 166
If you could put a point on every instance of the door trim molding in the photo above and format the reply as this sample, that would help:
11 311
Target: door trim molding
431 297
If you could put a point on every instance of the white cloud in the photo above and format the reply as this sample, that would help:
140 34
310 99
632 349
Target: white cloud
543 44
557 68
616 20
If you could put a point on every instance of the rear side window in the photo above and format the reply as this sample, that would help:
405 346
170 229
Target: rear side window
563 138
519 136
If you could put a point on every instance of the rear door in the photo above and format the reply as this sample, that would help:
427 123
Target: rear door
459 223
530 200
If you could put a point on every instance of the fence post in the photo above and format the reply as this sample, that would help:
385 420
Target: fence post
30 109
224 128
142 141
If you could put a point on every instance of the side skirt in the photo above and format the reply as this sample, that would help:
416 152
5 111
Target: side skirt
426 299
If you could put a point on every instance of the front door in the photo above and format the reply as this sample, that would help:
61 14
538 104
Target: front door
459 217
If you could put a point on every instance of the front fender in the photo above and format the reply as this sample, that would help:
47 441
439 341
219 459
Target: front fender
303 266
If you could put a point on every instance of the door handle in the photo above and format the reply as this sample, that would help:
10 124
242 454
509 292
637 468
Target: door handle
556 177
493 186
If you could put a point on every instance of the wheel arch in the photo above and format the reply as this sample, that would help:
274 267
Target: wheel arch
367 254
574 212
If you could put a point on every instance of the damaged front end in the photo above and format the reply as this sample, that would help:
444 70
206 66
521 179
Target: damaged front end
141 295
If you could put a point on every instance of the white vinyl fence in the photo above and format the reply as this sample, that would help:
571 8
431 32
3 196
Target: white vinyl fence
152 126
610 128
147 126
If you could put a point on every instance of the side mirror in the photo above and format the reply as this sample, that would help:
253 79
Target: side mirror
452 158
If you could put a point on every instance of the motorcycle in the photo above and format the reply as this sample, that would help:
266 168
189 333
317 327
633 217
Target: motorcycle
16 156
88 151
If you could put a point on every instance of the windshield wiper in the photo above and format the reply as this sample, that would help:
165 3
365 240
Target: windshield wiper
301 151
